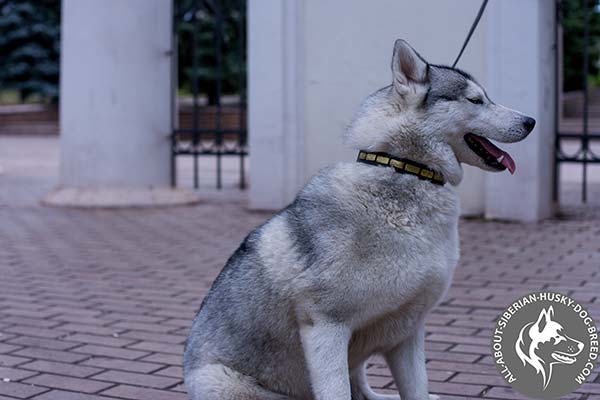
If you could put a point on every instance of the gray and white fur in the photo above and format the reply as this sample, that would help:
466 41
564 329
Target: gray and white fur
352 267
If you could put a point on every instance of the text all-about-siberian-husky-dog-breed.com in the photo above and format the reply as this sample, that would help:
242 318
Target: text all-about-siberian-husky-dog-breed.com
352 267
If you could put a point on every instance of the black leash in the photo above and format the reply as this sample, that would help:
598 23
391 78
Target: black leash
473 27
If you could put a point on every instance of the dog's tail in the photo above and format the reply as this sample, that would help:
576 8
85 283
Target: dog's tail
218 382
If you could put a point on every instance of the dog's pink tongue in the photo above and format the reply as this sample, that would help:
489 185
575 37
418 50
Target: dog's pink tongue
507 160
509 163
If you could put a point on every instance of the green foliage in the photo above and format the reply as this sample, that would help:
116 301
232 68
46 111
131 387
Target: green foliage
201 16
573 22
30 47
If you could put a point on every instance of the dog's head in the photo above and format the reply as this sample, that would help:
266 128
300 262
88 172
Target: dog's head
438 114
544 343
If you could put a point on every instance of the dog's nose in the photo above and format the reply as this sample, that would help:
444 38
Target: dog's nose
580 346
528 124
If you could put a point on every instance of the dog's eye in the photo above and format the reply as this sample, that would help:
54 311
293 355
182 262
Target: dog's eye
475 101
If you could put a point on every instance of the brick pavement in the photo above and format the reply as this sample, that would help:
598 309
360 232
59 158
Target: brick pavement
96 304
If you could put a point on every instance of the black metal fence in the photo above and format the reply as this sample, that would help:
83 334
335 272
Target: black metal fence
575 133
210 66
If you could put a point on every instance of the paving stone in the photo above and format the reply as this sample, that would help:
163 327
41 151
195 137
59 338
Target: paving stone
92 329
34 331
19 390
11 361
52 355
456 388
75 370
465 348
495 380
380 382
6 398
7 348
14 374
175 372
69 383
155 337
137 393
171 359
462 367
40 323
448 356
123 365
153 381
111 351
62 395
43 343
102 340
158 347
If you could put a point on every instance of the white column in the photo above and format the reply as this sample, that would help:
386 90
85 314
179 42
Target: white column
275 102
521 76
115 104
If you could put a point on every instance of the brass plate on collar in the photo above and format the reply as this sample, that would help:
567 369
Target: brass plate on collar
426 174
383 159
397 164
412 169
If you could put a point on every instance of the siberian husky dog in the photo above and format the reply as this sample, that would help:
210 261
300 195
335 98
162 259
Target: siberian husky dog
353 266
544 343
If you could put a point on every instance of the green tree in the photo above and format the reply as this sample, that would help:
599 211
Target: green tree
30 47
203 17
573 23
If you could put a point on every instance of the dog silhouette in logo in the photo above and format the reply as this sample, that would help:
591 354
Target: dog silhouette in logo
543 343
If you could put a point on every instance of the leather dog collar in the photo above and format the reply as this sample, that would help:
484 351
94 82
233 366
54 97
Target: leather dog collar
401 165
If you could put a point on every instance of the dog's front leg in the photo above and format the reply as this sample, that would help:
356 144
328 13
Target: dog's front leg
326 352
407 364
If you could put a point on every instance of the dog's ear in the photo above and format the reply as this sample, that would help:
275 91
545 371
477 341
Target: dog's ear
544 318
408 67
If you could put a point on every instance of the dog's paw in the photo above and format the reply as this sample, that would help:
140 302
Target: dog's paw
434 397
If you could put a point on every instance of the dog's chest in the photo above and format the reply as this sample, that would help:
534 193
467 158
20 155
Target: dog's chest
402 282
411 268
408 259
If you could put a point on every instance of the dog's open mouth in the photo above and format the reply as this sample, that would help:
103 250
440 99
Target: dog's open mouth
492 155
563 358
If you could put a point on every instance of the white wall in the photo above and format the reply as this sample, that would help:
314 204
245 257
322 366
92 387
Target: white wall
312 62
115 93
